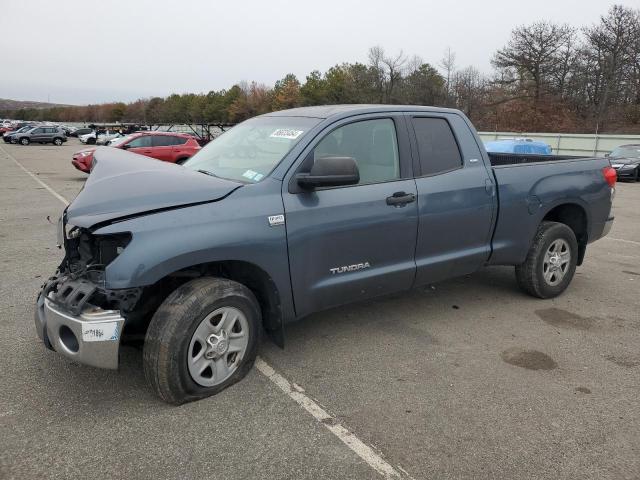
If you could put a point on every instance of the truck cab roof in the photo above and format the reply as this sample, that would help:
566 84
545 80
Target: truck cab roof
327 111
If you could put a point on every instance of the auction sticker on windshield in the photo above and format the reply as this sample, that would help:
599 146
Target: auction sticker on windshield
100 332
287 133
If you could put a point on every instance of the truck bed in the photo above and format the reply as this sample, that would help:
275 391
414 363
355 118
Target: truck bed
500 159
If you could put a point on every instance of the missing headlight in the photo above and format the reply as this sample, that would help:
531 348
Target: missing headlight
110 246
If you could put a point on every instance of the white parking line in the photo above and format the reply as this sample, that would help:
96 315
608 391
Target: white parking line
633 242
47 187
364 451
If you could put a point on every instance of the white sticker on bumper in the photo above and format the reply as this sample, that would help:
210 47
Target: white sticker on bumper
100 332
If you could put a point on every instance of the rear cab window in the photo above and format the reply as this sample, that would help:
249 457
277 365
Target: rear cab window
438 149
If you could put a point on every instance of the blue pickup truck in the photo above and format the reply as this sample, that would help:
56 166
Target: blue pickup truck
294 212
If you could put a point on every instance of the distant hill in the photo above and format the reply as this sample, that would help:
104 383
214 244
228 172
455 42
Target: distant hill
6 104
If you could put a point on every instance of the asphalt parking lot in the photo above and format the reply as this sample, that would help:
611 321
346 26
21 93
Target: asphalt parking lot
466 379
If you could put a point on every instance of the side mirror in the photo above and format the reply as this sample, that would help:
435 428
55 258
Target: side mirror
126 146
330 172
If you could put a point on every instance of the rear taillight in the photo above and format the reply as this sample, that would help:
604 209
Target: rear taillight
610 175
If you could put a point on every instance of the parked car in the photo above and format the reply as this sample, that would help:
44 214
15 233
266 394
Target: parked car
80 131
518 145
12 127
12 136
98 138
67 129
626 160
294 212
41 134
170 147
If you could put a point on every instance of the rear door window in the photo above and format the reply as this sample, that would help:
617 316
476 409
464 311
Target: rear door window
437 146
139 142
160 141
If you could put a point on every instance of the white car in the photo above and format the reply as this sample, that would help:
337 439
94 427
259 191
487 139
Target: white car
100 138
89 138
105 138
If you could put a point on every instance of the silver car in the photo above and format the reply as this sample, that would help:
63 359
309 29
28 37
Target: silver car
42 134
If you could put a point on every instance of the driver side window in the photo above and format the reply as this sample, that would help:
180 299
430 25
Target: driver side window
371 143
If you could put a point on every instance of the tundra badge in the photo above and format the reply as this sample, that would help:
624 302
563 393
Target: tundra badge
350 268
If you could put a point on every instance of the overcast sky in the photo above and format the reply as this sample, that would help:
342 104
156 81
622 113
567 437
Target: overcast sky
78 52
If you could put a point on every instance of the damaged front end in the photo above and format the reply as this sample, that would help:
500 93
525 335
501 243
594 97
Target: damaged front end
76 315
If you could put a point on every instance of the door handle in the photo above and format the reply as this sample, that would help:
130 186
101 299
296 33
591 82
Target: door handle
400 199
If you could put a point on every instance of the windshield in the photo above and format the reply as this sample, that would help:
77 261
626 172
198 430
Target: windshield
630 151
249 151
116 142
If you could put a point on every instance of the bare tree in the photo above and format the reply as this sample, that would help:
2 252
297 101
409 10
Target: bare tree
535 53
394 67
468 89
448 64
611 50
376 62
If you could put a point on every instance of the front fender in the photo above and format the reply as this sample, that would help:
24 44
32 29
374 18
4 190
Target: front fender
234 229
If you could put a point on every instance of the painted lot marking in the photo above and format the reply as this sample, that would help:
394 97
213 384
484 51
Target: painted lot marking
364 451
633 242
293 391
35 177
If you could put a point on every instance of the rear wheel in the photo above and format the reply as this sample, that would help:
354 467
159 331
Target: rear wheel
551 261
24 141
202 339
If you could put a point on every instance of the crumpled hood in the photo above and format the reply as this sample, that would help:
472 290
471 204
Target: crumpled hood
124 184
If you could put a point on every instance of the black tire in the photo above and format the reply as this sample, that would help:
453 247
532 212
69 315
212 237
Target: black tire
530 275
57 141
25 141
172 326
91 141
180 161
637 176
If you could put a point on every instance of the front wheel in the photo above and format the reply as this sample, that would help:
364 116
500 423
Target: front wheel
24 141
57 141
202 339
551 261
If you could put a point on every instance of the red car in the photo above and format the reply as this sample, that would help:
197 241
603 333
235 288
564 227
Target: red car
166 146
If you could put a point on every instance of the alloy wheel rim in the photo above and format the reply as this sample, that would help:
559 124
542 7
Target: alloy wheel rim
218 346
556 262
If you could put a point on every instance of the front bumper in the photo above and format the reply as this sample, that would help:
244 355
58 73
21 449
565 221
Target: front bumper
91 338
623 172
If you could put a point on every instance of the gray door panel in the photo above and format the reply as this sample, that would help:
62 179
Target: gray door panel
349 243
456 208
342 227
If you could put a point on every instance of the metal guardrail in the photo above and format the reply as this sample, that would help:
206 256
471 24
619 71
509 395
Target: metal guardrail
569 143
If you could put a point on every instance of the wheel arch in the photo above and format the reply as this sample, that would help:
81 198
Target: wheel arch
576 218
248 274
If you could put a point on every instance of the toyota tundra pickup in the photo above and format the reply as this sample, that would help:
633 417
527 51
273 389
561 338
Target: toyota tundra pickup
294 212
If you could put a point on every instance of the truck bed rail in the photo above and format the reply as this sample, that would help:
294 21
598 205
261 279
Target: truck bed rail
498 159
